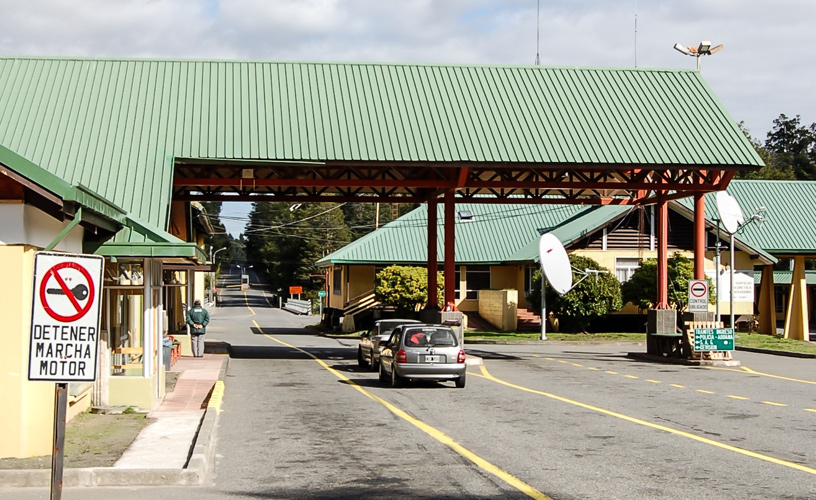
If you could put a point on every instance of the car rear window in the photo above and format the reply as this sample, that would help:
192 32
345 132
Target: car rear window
430 337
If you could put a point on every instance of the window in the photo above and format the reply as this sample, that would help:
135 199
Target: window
124 316
528 279
625 267
337 282
780 298
126 331
476 278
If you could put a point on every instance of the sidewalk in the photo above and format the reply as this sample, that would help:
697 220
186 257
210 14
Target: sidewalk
175 450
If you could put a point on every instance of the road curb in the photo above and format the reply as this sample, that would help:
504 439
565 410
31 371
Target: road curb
196 472
777 353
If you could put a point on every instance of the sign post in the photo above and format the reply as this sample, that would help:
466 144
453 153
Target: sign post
64 339
320 295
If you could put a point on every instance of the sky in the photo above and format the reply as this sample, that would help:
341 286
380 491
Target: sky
764 69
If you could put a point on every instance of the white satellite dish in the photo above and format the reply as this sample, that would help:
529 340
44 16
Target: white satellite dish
555 263
730 212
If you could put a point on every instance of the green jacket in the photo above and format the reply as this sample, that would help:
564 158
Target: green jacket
198 315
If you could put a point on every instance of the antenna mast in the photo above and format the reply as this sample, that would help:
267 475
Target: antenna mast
538 34
635 39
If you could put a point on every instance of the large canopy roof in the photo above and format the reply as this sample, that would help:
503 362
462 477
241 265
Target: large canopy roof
143 132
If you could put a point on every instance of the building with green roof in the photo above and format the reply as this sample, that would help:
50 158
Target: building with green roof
123 148
788 232
497 249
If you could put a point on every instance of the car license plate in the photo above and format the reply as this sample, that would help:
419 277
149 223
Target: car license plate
432 359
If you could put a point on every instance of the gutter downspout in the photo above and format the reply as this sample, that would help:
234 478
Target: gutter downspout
66 230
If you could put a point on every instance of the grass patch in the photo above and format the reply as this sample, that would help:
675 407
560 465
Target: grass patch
580 337
91 440
771 342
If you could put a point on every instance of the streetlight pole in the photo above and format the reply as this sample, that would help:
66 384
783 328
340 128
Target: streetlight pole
704 49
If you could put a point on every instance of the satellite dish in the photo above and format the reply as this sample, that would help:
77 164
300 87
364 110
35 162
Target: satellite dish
730 212
555 263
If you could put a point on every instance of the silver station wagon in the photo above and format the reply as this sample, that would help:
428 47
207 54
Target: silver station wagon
368 351
422 352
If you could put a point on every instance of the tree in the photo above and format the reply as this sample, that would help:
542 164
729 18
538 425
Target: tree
284 241
405 288
598 295
641 289
362 218
792 147
773 170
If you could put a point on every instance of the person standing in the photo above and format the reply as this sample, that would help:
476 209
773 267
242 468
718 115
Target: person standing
198 318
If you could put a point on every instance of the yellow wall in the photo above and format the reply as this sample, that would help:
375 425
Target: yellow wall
500 308
27 415
134 391
361 280
504 277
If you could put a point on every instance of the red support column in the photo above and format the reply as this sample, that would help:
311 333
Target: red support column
699 236
450 259
433 258
662 254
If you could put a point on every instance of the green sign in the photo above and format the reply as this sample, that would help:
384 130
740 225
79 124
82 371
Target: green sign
321 293
713 339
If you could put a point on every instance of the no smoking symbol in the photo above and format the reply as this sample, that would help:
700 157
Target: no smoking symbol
59 299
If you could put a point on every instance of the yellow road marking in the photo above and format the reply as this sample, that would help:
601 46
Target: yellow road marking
246 299
813 410
431 431
611 372
678 386
549 359
705 391
743 398
485 374
773 404
266 298
745 369
578 365
631 376
653 381
562 361
216 397
592 368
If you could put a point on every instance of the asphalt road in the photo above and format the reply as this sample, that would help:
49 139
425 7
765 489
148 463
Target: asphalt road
565 421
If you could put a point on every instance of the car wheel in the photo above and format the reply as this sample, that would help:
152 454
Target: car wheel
396 380
360 360
460 382
382 373
375 363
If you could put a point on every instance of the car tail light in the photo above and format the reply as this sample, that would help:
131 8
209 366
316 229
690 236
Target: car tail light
461 357
402 356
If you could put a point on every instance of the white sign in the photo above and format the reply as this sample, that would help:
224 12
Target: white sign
743 285
65 317
698 296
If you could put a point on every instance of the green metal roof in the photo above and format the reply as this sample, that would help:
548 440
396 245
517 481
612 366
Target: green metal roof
788 228
500 234
784 277
572 229
116 126
76 194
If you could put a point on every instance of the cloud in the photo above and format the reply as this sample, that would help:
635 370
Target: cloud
763 71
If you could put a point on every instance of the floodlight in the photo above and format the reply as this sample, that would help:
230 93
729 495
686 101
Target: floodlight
704 47
465 216
682 48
